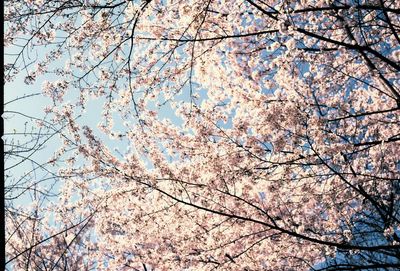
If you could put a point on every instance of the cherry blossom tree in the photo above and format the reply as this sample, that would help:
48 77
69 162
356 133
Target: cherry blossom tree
232 135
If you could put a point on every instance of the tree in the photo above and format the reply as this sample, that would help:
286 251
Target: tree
256 135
